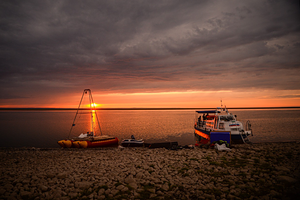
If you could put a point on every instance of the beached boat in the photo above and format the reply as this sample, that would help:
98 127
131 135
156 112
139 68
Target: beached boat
132 142
219 124
90 139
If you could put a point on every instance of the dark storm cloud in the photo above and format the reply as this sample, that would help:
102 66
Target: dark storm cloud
147 45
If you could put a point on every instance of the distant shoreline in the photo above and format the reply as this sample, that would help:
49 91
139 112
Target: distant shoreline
232 108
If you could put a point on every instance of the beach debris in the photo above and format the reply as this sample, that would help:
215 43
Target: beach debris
167 145
121 147
222 147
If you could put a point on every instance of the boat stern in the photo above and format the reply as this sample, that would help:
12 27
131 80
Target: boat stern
83 144
65 143
76 144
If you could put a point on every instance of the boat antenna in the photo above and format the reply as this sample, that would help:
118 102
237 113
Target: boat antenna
73 124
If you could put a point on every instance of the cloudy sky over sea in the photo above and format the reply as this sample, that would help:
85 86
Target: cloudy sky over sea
150 53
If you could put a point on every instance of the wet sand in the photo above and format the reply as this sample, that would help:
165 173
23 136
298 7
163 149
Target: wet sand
250 171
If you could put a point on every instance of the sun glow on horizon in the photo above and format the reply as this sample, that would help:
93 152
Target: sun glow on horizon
93 105
172 99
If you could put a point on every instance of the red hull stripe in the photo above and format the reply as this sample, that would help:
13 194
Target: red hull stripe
202 134
103 143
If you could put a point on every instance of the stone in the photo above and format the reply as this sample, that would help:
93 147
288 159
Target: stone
287 179
62 175
43 188
83 185
133 185
120 187
165 186
50 175
8 186
101 191
152 190
114 192
136 194
2 191
25 194
273 193
57 195
107 191
139 175
129 179
282 169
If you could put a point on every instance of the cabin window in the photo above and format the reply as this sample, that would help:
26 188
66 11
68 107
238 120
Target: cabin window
226 118
221 126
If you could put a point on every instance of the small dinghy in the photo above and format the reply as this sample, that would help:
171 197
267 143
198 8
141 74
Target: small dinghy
89 139
132 142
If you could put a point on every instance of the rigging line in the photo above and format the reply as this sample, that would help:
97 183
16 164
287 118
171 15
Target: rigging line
91 112
73 124
96 114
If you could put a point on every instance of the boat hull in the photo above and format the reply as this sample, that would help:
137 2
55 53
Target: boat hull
237 139
99 143
65 143
89 144
202 135
132 144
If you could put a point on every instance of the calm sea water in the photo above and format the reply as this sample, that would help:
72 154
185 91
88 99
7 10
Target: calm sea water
44 128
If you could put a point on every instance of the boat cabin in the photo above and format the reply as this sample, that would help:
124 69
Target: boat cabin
217 120
220 121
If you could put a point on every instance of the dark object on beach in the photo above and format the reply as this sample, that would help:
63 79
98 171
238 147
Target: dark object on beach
167 145
132 143
187 147
204 146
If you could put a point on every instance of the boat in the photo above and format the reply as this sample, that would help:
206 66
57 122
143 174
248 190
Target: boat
213 125
91 138
132 142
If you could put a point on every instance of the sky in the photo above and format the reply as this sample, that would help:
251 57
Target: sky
154 54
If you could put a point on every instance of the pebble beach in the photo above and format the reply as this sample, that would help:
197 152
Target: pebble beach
248 171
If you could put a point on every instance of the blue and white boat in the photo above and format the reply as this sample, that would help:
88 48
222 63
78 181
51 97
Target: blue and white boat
220 121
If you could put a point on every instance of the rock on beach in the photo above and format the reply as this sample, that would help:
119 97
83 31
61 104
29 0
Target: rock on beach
248 171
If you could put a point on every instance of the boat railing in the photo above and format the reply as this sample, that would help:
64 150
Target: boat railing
244 137
200 124
248 127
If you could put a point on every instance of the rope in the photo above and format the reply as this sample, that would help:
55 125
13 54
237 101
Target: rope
73 124
92 107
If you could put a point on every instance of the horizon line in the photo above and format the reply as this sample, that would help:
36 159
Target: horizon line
33 108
